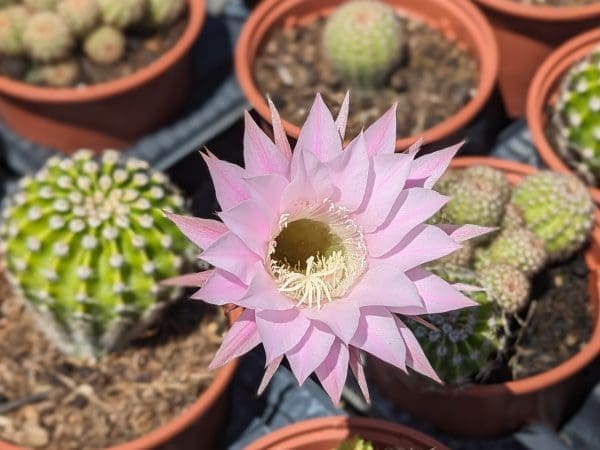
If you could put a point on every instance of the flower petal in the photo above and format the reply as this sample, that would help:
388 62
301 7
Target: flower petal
240 339
415 357
280 331
281 140
202 232
359 372
310 352
427 169
221 288
461 233
269 372
340 316
381 135
268 189
189 279
231 254
342 118
263 294
261 155
249 222
228 181
333 371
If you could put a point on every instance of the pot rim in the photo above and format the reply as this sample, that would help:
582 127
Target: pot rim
24 91
542 13
589 352
334 423
472 19
545 79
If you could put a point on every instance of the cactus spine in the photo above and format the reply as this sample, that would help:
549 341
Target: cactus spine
106 45
122 13
46 37
80 15
508 286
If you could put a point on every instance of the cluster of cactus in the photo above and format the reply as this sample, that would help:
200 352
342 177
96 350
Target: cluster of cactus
86 245
576 117
54 31
363 41
356 443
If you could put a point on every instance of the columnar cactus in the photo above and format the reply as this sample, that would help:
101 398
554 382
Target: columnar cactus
517 247
466 340
60 74
363 40
80 15
47 37
86 243
106 45
122 13
558 209
12 25
508 286
160 13
40 5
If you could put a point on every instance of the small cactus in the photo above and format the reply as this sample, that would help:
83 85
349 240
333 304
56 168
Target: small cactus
160 13
12 25
356 443
558 209
80 15
47 37
86 244
517 247
106 45
40 5
122 13
508 286
463 257
60 75
363 40
467 339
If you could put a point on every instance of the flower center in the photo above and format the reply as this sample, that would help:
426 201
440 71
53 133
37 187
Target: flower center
318 254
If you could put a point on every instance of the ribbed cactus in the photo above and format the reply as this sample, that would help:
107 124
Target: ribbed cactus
106 45
577 115
558 209
47 37
517 247
363 40
508 286
80 15
160 13
86 243
122 13
61 74
467 339
356 443
12 25
40 5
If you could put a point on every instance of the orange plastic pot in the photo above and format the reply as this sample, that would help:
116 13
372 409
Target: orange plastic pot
496 409
543 92
526 35
200 423
458 19
107 115
326 433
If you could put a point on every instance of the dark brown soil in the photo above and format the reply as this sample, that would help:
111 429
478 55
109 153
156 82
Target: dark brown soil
557 2
48 401
436 79
142 49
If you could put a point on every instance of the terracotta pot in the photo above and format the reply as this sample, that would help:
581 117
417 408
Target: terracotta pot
526 35
326 433
200 422
108 115
496 409
458 20
543 92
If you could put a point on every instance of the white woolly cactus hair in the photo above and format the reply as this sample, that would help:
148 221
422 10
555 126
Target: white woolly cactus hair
86 245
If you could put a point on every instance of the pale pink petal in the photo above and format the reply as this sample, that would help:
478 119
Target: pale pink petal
231 254
230 186
381 135
280 331
378 335
427 169
359 372
416 146
251 224
202 232
319 176
220 288
261 155
300 191
319 134
340 316
350 172
263 294
239 340
189 279
461 233
342 118
310 352
333 371
281 140
268 189
269 372
423 244
415 357
414 207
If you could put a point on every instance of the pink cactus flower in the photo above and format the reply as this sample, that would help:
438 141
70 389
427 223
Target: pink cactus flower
324 248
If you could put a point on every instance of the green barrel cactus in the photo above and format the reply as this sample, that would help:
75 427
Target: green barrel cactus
105 45
161 13
47 37
363 40
122 13
59 75
517 247
40 5
462 257
508 286
558 209
12 25
86 245
80 15
466 340
577 116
